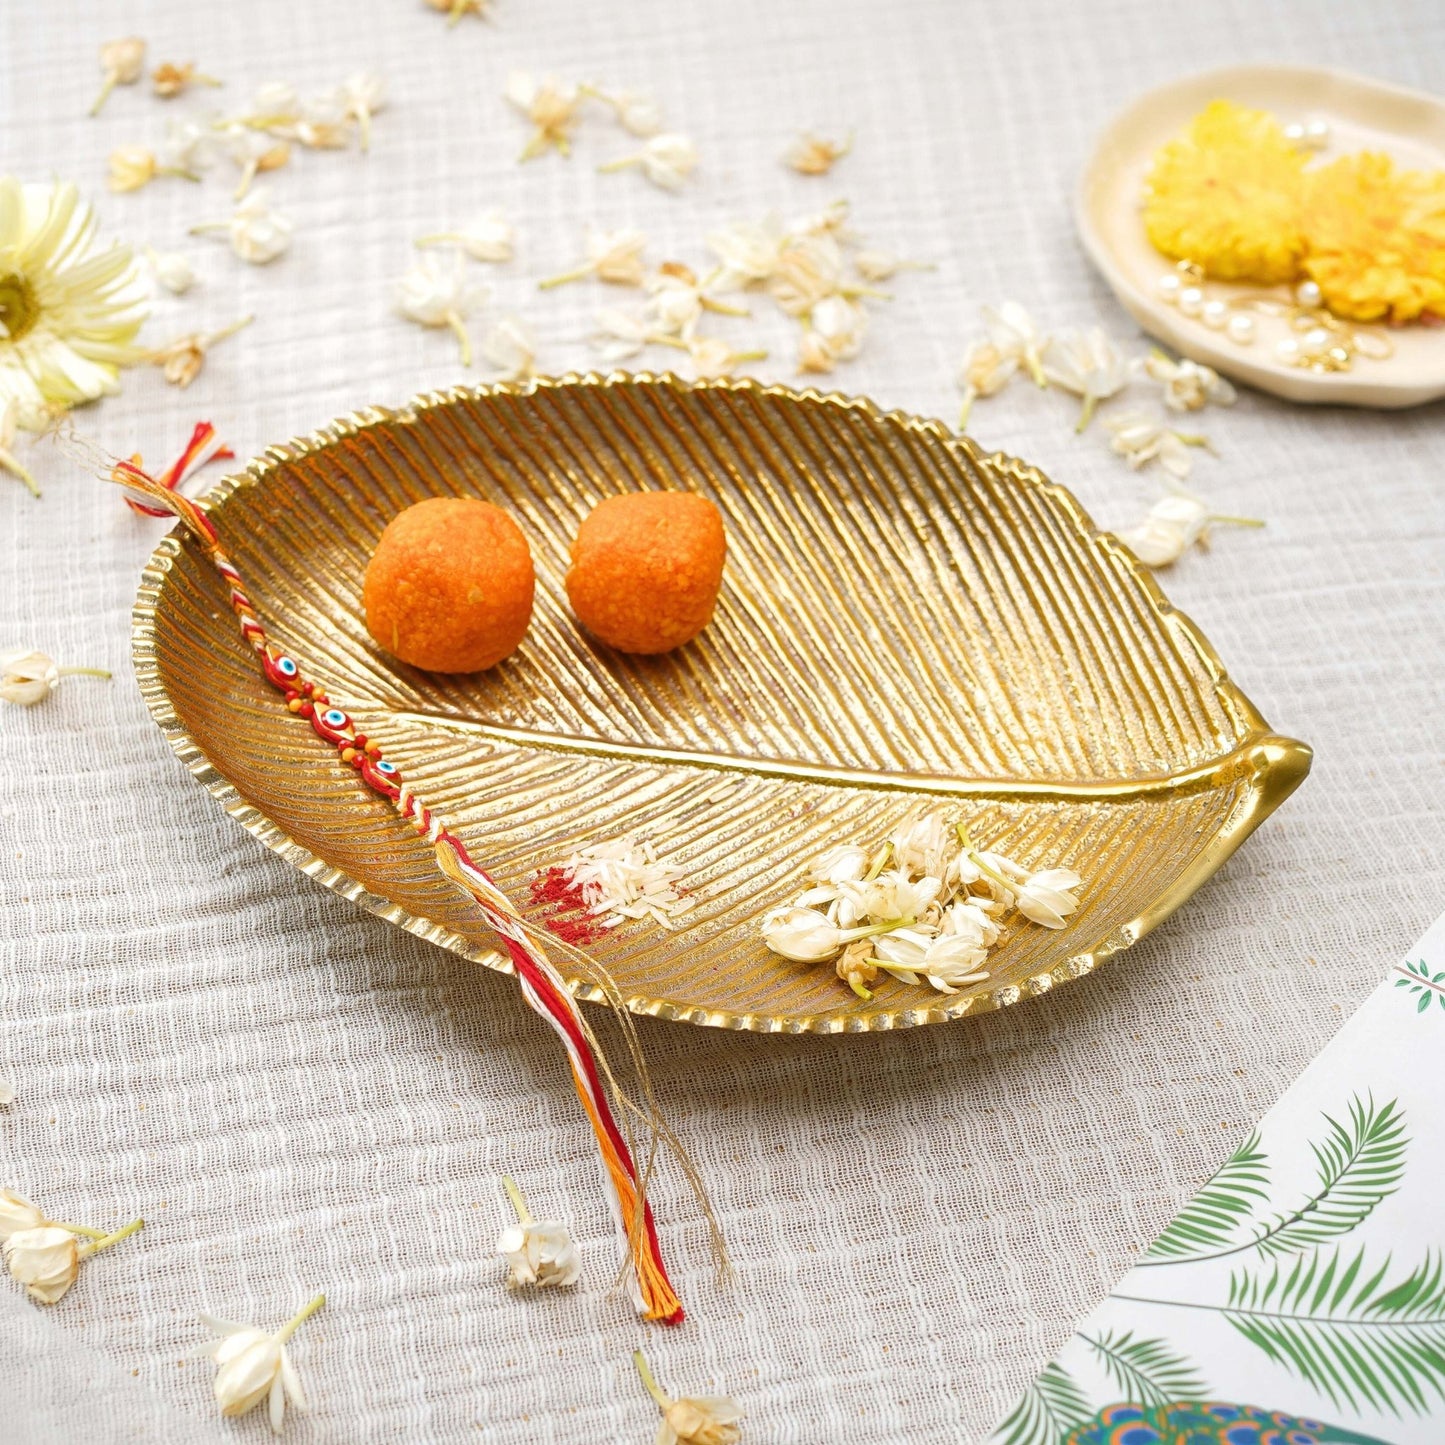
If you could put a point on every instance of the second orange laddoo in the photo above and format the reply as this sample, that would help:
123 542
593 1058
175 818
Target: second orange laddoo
646 569
449 587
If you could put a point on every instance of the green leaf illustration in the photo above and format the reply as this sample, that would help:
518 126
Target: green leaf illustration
1049 1408
1211 1219
1146 1371
1350 1333
1418 981
1360 1166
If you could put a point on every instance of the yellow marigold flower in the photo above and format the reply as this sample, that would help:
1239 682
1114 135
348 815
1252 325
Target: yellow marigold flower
1226 195
1376 239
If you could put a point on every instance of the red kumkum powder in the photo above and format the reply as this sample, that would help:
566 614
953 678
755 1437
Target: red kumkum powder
565 909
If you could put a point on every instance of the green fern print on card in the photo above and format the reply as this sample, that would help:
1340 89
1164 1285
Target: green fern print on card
1146 1370
1309 1272
1360 1163
1212 1220
1361 1333
1049 1409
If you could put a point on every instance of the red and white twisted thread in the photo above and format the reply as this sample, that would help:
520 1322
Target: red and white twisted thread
542 986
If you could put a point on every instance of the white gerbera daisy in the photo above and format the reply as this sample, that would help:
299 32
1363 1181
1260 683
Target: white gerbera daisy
69 310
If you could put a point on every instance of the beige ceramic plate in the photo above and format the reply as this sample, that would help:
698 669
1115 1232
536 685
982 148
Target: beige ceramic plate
1362 114
903 620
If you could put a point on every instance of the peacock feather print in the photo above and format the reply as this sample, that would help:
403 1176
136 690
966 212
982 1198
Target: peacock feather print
1207 1422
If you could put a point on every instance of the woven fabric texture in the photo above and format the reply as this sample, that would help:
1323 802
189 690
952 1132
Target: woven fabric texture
298 1097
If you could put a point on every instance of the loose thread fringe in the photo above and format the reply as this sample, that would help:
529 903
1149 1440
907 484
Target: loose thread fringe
649 1112
541 985
548 995
203 447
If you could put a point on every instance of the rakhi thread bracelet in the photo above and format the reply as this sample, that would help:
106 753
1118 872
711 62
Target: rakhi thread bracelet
541 984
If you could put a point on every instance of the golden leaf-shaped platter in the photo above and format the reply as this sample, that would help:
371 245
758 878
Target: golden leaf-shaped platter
903 620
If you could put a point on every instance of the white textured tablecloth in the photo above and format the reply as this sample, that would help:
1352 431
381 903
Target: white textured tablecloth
299 1097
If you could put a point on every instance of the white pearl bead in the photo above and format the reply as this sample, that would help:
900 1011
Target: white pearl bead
1191 300
1287 350
1294 132
1215 314
1315 341
1241 329
1169 287
1308 293
1317 133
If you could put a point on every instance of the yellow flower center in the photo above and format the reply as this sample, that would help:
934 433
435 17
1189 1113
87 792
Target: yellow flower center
19 306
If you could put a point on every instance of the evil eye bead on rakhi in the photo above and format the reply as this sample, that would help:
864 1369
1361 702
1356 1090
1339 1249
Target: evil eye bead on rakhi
281 671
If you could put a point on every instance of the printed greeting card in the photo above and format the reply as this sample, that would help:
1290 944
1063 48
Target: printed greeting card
1299 1297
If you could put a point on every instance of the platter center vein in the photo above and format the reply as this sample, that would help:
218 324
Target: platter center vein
1239 763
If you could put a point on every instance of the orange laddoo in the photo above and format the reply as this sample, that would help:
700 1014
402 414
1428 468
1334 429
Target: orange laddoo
646 568
449 587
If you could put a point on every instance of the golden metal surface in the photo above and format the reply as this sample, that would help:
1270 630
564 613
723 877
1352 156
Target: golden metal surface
902 619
